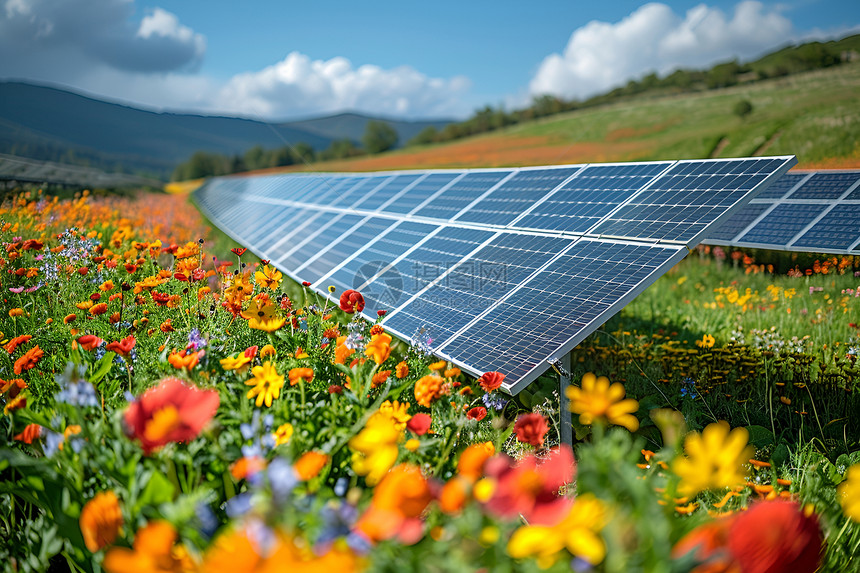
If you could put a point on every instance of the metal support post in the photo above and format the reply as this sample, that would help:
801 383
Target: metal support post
564 420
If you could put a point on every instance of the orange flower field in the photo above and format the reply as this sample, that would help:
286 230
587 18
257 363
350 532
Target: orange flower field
172 403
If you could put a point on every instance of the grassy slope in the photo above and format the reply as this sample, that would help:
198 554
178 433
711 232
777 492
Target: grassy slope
814 115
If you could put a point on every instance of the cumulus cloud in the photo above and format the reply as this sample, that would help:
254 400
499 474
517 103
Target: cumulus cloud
298 85
52 35
600 55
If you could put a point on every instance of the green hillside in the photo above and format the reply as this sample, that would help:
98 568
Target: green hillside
814 115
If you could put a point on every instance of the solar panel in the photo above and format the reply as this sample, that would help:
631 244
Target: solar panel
504 269
809 211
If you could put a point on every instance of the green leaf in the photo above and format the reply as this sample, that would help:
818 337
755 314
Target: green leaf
102 367
158 490
760 436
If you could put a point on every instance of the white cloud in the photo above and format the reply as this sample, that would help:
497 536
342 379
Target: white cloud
298 85
49 35
601 55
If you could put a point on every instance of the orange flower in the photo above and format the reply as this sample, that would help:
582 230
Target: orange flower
153 552
167 326
310 464
472 460
490 381
98 309
247 466
29 434
379 347
398 502
427 389
342 351
101 519
185 359
402 370
380 378
170 412
69 318
452 373
16 312
29 360
296 375
531 429
89 341
13 344
440 365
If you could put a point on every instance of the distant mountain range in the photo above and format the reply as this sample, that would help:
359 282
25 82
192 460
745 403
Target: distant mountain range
46 123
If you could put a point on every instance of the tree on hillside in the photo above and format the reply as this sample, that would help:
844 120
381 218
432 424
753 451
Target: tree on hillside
378 137
427 135
742 109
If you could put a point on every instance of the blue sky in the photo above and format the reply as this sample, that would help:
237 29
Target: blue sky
282 60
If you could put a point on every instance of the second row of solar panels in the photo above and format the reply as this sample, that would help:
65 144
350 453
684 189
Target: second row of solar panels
814 212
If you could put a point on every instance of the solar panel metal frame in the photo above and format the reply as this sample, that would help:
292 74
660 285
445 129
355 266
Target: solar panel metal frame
790 198
676 250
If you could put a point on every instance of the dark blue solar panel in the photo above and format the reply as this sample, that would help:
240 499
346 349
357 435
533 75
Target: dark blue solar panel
422 191
510 199
386 192
273 219
782 224
739 221
475 285
825 186
838 229
573 293
282 245
285 228
854 195
328 190
429 261
344 247
460 194
312 244
588 197
379 253
357 193
686 199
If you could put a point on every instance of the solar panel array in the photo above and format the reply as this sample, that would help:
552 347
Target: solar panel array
816 212
500 269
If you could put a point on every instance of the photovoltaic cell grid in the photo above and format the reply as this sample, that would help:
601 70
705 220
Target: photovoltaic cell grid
504 269
814 211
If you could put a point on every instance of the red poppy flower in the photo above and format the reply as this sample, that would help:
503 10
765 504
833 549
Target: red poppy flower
490 381
170 412
238 251
160 298
251 351
306 284
171 249
530 487
335 389
381 312
265 261
531 429
83 271
770 537
180 277
33 244
122 347
419 423
89 341
130 268
351 301
477 413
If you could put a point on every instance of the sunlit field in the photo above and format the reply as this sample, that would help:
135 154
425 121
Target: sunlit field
172 403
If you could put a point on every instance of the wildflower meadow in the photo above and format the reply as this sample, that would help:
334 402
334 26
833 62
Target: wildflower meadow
173 403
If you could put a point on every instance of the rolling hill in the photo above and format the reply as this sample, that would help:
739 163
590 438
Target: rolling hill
47 123
814 115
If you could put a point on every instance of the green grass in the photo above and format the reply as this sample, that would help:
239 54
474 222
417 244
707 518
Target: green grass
812 115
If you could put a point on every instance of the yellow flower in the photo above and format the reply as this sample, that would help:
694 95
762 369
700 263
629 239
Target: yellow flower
395 412
438 365
375 448
379 347
597 400
267 350
267 384
268 277
578 532
239 363
714 459
262 316
707 341
240 287
283 434
849 493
